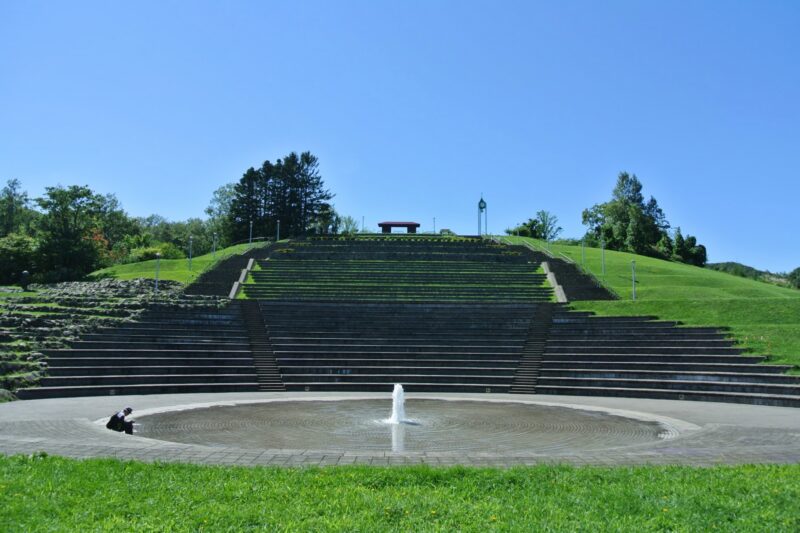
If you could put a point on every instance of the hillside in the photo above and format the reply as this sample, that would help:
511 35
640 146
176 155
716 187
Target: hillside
764 318
170 269
744 271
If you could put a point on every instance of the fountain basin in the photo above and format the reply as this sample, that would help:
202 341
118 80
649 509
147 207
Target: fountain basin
433 426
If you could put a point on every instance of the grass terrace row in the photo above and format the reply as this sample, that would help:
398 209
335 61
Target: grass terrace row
762 317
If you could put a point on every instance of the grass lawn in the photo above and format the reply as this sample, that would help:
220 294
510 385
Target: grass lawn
764 318
170 269
54 494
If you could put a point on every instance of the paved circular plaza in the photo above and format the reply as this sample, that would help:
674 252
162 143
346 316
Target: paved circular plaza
308 429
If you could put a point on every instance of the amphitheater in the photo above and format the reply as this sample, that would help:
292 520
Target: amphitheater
296 327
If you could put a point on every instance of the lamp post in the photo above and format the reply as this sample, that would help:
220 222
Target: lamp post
158 268
190 252
583 252
278 232
603 254
481 209
250 242
633 278
214 247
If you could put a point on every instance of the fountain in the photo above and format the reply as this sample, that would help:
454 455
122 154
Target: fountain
398 406
438 426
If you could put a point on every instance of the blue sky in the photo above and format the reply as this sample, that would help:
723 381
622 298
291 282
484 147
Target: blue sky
415 108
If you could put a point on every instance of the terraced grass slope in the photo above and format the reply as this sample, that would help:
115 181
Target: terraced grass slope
762 318
624 352
392 269
435 314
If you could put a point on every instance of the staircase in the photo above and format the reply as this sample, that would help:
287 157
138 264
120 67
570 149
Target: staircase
268 375
647 358
527 375
170 349
369 347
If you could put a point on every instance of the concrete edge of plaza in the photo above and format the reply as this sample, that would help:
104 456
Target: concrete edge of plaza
72 427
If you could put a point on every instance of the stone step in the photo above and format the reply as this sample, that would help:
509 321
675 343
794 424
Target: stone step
664 394
196 344
395 353
409 369
686 385
669 334
427 339
120 390
288 362
147 329
654 358
179 339
492 379
633 330
127 353
146 370
607 342
744 377
407 386
658 365
280 348
173 359
594 351
142 379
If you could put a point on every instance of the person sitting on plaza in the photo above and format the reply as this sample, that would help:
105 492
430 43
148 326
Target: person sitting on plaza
117 421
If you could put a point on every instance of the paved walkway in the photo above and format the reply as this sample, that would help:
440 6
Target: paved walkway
701 433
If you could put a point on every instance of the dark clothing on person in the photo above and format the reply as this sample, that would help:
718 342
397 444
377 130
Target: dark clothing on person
117 422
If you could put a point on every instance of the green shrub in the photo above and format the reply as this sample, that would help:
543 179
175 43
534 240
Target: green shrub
17 253
166 249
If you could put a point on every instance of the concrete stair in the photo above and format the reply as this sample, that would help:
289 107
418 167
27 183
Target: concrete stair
165 351
642 357
425 347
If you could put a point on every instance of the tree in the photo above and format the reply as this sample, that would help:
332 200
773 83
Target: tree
548 225
219 210
688 251
628 223
348 225
290 190
15 212
17 253
544 226
794 278
69 247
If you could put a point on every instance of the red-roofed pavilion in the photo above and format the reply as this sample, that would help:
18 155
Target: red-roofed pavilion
386 227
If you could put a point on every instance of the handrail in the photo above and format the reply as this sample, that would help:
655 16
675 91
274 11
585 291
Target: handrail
223 256
571 261
534 248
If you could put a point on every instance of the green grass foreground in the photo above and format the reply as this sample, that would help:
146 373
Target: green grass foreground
763 318
55 494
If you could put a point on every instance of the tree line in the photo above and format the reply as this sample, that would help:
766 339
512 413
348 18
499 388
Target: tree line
71 231
626 223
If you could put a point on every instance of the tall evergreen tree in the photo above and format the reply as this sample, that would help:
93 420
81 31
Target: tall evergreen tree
290 190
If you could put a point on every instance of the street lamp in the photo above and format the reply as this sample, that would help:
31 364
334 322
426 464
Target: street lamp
481 209
158 268
190 252
214 247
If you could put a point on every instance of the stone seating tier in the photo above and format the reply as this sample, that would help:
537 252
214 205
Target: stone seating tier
164 351
640 357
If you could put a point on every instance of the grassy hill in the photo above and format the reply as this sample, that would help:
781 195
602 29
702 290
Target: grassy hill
738 269
763 317
171 269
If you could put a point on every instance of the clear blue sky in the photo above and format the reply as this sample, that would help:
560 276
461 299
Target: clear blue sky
415 108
